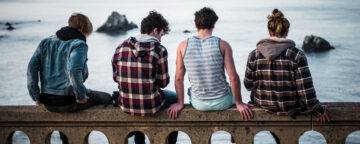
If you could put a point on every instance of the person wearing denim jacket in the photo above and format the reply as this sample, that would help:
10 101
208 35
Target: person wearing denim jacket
60 64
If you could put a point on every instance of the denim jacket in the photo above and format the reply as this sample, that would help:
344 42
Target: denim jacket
61 67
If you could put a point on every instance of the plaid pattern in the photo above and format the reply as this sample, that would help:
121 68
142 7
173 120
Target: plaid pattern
283 85
140 69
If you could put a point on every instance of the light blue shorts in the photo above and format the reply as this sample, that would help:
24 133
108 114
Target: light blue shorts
221 103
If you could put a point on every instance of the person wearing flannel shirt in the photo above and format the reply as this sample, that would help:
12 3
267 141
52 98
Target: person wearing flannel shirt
140 68
278 74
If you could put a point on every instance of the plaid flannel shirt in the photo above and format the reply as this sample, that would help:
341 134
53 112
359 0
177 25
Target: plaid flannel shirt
282 85
140 69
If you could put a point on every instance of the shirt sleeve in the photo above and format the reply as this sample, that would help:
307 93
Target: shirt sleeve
162 75
114 61
305 88
249 80
76 66
33 72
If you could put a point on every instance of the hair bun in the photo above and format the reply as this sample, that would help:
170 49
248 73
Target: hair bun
276 15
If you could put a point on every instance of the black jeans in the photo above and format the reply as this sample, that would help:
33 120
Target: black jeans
95 98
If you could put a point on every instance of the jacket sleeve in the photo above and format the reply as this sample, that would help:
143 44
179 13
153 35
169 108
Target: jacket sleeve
305 88
77 61
249 80
33 72
162 75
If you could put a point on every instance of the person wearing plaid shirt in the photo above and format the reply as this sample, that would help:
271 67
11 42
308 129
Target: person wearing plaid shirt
140 69
278 74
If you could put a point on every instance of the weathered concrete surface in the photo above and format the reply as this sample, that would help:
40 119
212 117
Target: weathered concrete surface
38 124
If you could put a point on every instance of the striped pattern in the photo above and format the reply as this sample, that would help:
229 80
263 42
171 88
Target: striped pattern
140 75
205 66
283 85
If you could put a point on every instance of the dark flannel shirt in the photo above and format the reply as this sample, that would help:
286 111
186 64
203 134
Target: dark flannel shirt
282 85
140 69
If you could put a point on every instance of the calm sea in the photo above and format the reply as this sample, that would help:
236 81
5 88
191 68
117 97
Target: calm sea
241 23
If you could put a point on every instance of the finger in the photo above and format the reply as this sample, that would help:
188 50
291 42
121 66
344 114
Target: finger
318 119
168 110
170 115
322 119
251 105
327 117
250 111
241 115
176 112
247 114
173 115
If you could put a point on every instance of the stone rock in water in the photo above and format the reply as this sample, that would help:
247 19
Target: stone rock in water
116 24
314 43
187 31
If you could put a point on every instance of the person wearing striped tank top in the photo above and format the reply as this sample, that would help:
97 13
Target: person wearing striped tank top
204 57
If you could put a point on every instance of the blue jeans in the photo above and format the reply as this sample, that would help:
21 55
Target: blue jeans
169 97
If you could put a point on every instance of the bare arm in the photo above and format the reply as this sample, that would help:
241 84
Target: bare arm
234 79
179 81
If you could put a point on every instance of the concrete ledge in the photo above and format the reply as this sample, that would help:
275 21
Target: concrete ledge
38 123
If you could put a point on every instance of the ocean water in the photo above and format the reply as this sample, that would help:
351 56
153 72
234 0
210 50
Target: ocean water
241 23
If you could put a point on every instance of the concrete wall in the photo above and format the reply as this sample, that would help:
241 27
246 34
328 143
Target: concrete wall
38 124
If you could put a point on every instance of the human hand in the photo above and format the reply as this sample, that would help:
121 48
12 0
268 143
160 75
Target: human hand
174 109
83 101
245 111
324 117
38 103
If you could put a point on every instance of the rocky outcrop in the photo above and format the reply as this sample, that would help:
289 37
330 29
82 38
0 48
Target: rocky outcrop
116 24
187 31
11 25
314 43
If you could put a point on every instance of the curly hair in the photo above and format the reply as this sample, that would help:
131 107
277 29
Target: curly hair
152 21
277 23
205 18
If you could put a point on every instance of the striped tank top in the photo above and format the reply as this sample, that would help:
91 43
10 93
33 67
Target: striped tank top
204 64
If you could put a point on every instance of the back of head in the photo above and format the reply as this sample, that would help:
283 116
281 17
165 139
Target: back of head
81 22
205 18
278 25
152 21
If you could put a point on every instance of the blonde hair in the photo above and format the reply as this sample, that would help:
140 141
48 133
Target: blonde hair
81 22
277 23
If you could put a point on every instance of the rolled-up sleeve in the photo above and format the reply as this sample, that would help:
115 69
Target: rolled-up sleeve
249 80
162 75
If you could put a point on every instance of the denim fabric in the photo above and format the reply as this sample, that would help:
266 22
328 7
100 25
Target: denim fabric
221 103
60 66
169 97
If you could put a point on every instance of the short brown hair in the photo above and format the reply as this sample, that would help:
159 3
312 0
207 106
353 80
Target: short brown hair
205 18
277 23
82 22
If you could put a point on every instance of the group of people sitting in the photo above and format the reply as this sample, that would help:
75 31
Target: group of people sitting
277 73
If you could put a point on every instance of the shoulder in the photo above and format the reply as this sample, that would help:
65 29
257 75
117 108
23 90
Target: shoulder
224 44
183 44
295 53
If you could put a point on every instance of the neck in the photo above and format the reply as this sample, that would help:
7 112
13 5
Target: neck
204 33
